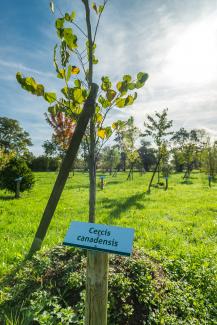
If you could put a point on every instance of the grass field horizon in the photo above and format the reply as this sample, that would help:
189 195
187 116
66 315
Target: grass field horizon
176 223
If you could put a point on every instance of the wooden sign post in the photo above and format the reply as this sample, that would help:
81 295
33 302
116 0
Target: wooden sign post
99 240
210 180
18 181
102 183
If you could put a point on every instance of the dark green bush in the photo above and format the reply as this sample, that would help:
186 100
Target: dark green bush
50 290
14 169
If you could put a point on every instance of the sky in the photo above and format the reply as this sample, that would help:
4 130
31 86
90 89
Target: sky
174 41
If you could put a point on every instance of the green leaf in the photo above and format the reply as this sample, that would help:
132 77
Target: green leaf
122 87
59 23
67 17
19 77
106 83
50 97
73 15
52 110
31 82
77 83
131 86
94 6
61 74
104 102
78 95
101 8
142 77
40 90
120 102
95 60
129 100
118 124
64 91
127 78
139 84
69 73
98 118
70 38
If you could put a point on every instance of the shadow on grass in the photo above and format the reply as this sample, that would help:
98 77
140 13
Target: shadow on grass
119 206
186 182
76 186
7 197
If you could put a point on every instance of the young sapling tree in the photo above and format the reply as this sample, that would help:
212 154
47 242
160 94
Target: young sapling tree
158 128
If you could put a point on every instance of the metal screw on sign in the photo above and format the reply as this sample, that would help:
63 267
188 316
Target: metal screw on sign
18 181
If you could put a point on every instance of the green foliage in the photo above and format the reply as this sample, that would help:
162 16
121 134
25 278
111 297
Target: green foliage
13 139
44 163
74 97
51 288
15 168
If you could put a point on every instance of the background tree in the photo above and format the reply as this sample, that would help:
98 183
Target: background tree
110 159
13 138
157 128
126 138
147 155
5 158
15 168
187 151
209 160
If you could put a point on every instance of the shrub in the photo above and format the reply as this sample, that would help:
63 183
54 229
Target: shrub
15 168
51 287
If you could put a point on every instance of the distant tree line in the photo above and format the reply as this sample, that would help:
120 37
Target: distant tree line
156 149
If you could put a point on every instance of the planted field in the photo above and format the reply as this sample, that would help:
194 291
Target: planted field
176 227
180 221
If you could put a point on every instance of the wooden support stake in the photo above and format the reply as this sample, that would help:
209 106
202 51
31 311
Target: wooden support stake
17 195
87 112
96 288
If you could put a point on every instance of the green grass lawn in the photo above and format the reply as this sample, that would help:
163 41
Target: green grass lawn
176 229
176 223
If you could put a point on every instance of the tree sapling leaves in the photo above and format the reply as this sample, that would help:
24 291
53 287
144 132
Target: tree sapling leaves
70 38
50 97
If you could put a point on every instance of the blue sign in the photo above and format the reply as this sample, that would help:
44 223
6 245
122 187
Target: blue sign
111 239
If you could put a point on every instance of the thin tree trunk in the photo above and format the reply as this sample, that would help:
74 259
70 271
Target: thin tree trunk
97 263
87 112
151 180
92 173
166 187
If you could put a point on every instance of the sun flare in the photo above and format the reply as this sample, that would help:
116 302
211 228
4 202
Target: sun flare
193 57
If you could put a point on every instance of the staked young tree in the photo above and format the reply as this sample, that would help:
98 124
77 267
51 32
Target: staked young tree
158 128
79 94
